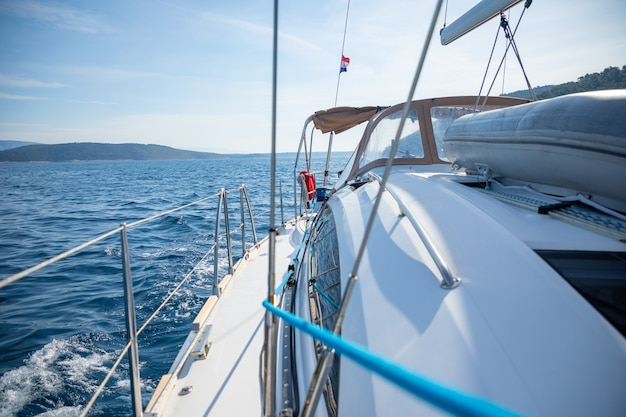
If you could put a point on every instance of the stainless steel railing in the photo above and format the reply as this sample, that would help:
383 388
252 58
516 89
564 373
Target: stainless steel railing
449 280
131 325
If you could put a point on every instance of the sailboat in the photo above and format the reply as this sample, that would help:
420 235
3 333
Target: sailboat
496 294
469 259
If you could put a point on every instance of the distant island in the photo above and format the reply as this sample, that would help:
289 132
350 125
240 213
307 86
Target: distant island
86 151
18 151
609 79
10 144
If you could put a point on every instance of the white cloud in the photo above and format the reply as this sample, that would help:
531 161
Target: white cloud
9 81
110 73
197 75
60 16
259 30
5 96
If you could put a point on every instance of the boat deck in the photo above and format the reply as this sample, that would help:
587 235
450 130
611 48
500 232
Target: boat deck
227 381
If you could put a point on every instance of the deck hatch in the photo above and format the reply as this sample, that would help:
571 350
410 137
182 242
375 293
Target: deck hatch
600 277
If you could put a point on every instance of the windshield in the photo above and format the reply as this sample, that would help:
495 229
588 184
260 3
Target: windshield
421 139
382 137
442 117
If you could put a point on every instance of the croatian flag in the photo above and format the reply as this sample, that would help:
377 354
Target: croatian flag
344 63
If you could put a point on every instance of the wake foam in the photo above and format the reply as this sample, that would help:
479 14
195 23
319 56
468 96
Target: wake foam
55 380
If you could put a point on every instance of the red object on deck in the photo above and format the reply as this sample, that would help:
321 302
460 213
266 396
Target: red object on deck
309 180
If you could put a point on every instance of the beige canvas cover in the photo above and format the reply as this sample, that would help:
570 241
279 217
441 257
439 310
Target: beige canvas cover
340 119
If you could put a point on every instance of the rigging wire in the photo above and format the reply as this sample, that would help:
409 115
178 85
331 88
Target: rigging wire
504 67
510 35
370 223
504 24
493 48
332 134
343 44
322 369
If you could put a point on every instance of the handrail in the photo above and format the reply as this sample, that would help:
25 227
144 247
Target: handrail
449 280
133 333
446 398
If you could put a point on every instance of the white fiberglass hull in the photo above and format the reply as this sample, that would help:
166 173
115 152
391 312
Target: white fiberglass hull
513 332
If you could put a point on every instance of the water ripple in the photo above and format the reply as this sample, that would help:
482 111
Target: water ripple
62 328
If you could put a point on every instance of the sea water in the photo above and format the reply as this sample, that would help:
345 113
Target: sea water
62 328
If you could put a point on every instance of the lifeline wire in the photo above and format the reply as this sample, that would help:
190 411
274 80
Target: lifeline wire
112 370
29 271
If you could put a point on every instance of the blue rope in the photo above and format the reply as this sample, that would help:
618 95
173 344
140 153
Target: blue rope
445 398
288 275
319 290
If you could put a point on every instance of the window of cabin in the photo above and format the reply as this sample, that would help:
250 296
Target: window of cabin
600 277
325 292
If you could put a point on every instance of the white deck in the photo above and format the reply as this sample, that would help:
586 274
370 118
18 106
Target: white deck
227 382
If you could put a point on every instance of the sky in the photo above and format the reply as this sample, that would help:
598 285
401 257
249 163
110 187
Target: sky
197 75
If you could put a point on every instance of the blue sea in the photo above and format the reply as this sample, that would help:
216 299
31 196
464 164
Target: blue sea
63 327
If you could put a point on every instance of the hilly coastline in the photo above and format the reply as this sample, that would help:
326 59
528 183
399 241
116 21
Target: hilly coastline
608 79
10 144
98 152
18 151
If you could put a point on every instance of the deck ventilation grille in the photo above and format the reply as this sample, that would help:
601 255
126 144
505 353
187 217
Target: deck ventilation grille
573 213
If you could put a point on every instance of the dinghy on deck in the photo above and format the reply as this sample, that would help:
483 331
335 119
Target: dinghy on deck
567 145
